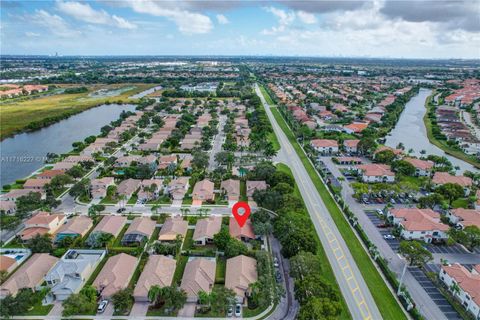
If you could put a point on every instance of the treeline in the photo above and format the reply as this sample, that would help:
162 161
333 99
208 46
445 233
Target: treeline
75 90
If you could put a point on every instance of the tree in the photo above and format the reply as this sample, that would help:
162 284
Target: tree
80 188
40 244
469 236
234 248
313 285
225 157
200 160
83 302
451 191
262 171
295 233
122 300
303 264
415 253
320 308
269 199
366 145
280 176
430 201
76 171
171 298
283 188
222 238
27 203
403 167
261 222
385 156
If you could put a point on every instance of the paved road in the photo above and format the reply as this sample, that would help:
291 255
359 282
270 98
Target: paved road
352 285
395 261
217 142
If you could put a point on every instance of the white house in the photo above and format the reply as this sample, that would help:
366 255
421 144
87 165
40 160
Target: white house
464 285
419 224
374 172
325 146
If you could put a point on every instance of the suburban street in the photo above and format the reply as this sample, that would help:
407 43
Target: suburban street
217 142
349 278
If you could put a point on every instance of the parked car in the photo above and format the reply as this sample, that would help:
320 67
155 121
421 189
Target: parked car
389 237
238 310
382 225
380 212
278 276
121 210
102 306
230 311
275 262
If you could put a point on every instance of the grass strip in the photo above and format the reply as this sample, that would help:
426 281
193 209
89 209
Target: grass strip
386 302
326 268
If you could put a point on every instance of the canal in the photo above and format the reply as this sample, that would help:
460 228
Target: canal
24 153
410 130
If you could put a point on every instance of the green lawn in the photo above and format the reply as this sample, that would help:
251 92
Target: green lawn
188 242
267 96
271 136
39 310
220 270
133 199
243 190
181 263
154 235
118 240
460 203
386 302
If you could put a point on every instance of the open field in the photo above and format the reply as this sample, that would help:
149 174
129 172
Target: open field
442 144
20 116
386 302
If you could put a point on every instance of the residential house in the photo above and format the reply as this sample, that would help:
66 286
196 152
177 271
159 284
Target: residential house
203 191
42 223
172 227
128 187
139 231
99 187
464 285
70 273
440 178
14 194
244 233
77 226
356 127
374 172
464 217
199 275
36 184
49 174
8 207
177 188
126 161
240 273
231 188
29 275
149 189
158 271
255 185
7 263
351 146
324 146
206 228
167 162
423 168
419 224
111 225
115 275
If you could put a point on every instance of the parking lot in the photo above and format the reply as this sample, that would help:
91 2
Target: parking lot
456 248
393 243
433 292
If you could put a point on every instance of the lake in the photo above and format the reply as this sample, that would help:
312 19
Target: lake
411 131
25 153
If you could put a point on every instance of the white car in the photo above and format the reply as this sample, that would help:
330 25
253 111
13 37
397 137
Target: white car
388 237
275 262
238 310
230 311
102 306
380 212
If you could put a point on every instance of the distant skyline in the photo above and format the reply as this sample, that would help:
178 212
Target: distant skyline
375 29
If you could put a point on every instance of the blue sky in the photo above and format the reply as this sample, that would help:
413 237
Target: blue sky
380 28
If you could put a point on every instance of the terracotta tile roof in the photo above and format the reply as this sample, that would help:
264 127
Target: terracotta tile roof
351 143
415 219
207 227
468 217
6 262
115 275
199 275
142 225
466 280
172 227
323 143
241 272
232 188
111 224
420 164
356 127
158 271
30 274
375 170
236 232
77 225
203 190
445 177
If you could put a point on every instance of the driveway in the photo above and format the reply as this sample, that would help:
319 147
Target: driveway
139 309
188 310
108 310
57 309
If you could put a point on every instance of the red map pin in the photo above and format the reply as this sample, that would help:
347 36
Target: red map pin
241 212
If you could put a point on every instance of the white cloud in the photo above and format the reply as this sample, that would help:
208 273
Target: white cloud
54 23
284 20
222 19
306 17
186 21
84 12
32 34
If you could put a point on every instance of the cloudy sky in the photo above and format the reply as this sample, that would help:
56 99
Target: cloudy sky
383 28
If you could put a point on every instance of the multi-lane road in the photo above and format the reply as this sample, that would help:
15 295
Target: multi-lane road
352 285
